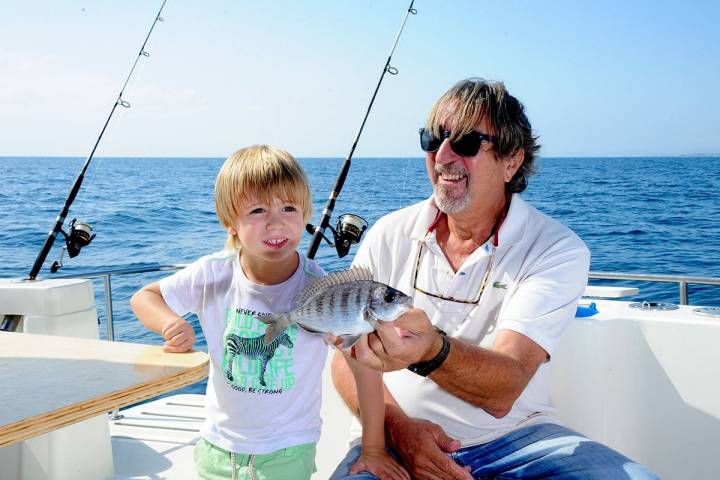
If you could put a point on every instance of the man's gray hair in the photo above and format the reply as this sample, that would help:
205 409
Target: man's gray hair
471 100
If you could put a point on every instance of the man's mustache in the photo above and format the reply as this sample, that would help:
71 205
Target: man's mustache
449 171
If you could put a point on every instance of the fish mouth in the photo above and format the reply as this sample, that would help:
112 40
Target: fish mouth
275 243
394 314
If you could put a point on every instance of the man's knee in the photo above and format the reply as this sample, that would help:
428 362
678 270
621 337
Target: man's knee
600 462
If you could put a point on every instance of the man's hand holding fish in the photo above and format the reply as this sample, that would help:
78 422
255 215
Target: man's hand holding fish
411 339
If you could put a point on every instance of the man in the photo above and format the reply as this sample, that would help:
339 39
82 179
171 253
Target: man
495 283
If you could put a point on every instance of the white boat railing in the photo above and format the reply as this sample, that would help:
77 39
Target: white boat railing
107 275
681 280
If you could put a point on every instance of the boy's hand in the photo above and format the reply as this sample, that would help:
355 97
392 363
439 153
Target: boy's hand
179 336
380 464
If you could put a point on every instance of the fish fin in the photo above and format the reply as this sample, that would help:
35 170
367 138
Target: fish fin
369 317
308 329
354 274
347 341
276 324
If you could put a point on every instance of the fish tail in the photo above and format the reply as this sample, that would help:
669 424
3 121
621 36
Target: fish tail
276 324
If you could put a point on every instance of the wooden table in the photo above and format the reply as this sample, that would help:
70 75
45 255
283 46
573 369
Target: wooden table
48 382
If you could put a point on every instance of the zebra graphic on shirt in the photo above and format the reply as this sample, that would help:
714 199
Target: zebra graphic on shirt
253 347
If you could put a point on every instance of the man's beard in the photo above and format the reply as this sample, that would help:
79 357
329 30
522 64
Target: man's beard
446 203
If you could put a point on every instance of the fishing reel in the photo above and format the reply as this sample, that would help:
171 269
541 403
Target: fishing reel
81 234
348 230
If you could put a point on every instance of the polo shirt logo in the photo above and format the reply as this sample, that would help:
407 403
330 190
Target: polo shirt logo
500 285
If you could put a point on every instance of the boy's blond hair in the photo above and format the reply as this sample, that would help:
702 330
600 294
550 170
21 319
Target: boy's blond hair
263 173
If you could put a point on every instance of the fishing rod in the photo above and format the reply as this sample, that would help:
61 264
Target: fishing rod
81 233
350 227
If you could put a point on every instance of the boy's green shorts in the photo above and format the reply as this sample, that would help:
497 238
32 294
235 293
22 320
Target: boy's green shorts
214 463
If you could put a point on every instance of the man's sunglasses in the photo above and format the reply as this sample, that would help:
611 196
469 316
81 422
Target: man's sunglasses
466 146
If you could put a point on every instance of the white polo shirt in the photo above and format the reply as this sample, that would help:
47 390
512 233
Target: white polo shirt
538 273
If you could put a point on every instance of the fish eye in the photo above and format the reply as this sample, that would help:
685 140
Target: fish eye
390 295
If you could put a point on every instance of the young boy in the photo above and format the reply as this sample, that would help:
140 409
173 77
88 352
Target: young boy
262 401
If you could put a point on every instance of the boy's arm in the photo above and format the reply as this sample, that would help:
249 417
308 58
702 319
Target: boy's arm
373 458
371 403
150 308
422 445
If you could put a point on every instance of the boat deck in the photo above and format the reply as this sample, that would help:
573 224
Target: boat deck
154 440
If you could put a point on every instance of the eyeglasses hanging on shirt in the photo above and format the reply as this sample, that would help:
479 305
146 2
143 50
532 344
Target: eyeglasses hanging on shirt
484 283
488 269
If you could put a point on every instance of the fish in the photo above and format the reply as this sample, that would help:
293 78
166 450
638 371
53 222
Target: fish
345 304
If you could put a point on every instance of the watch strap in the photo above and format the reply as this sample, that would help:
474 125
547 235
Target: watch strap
426 368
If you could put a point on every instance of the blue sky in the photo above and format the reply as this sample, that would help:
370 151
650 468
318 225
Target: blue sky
603 78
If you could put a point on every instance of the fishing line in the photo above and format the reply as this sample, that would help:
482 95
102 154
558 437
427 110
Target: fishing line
403 200
81 233
93 190
350 227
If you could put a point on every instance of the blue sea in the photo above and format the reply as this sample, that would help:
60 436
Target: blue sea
637 215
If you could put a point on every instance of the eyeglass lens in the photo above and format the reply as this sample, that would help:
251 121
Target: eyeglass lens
466 146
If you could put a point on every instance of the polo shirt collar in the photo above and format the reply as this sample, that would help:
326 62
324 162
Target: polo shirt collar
511 231
427 215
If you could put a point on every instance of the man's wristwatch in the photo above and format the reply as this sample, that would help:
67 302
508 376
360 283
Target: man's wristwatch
426 368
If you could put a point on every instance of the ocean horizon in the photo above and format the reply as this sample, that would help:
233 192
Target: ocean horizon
316 157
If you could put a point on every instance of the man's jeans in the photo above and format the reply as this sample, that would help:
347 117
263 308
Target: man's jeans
536 452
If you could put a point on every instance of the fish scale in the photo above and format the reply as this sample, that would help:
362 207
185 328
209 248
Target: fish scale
344 300
344 304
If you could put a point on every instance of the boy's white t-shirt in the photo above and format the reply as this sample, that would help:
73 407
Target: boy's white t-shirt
242 415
